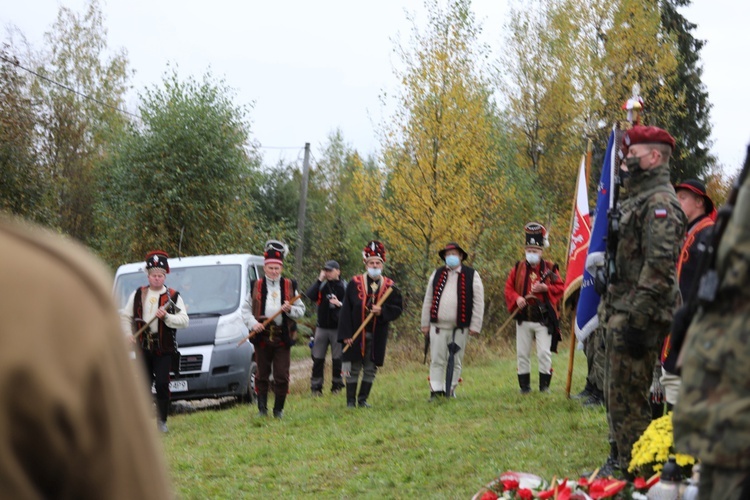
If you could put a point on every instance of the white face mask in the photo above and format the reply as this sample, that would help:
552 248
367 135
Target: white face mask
533 258
452 261
374 272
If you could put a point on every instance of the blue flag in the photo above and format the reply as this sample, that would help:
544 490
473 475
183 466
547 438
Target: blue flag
586 318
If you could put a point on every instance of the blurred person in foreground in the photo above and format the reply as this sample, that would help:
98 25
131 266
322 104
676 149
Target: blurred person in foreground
712 414
74 418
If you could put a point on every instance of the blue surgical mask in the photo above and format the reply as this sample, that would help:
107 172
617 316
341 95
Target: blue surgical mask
452 261
533 258
374 272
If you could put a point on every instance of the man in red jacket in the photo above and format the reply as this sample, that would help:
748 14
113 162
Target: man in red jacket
533 289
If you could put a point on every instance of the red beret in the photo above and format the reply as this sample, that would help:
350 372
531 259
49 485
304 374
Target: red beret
646 135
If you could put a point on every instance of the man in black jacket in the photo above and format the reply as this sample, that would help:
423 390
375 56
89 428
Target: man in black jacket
327 292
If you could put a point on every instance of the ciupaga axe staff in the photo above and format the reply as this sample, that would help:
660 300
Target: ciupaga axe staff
368 318
268 320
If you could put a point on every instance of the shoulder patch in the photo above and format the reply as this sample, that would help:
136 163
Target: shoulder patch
660 213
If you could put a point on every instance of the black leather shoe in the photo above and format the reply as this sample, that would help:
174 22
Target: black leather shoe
278 414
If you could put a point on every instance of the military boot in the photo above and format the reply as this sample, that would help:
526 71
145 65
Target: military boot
263 405
544 381
316 380
611 466
595 399
524 382
351 394
586 392
278 405
364 391
336 382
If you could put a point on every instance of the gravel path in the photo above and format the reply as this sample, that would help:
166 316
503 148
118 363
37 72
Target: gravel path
299 377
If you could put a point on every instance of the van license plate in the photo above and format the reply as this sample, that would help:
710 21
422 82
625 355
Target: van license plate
178 385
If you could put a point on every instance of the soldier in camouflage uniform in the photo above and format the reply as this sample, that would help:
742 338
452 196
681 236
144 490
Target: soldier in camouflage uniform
712 414
593 393
642 295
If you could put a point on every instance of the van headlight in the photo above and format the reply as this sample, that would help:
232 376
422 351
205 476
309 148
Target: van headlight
230 328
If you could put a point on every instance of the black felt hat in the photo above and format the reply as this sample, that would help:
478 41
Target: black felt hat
453 246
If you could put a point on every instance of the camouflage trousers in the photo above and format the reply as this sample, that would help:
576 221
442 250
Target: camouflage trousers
627 382
723 484
596 358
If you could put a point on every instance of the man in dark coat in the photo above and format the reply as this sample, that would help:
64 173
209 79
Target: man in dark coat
367 352
700 212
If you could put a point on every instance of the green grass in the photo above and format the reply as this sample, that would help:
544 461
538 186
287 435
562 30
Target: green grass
402 447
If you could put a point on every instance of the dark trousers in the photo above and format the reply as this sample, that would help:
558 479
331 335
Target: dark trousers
157 368
272 355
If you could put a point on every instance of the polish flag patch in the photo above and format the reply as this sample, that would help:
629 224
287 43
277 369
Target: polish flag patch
660 213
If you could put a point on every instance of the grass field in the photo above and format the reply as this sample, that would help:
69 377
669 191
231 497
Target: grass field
402 447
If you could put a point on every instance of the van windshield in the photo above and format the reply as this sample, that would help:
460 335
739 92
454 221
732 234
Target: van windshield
205 289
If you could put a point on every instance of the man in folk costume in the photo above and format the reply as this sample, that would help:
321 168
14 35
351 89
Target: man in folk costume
158 343
534 288
453 309
701 213
273 342
367 352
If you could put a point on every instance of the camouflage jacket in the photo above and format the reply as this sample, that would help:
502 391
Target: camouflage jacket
652 227
712 415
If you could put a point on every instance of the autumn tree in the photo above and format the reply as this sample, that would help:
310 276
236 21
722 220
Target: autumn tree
438 148
21 183
539 88
692 128
639 52
184 181
338 226
80 95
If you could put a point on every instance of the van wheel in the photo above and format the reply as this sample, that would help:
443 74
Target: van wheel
249 395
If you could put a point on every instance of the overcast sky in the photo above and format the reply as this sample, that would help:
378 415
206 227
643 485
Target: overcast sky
310 67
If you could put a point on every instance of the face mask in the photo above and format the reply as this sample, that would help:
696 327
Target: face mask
533 258
633 163
452 261
374 272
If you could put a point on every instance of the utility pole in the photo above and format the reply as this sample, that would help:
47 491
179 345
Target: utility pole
301 214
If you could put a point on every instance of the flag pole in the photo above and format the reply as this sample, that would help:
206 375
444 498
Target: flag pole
572 352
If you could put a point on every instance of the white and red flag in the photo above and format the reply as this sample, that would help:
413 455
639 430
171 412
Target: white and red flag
580 235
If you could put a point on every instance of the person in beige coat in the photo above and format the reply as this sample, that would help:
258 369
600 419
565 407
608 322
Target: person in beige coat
453 310
74 420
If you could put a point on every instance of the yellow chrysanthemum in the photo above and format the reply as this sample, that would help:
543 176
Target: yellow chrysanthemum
654 447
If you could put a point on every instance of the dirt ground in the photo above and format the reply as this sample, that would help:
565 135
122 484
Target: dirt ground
299 381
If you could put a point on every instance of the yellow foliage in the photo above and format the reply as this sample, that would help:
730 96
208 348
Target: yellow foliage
439 149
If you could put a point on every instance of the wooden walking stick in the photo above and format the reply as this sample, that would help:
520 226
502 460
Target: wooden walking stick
368 318
268 320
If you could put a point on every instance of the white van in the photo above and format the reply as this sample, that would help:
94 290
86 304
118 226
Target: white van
213 288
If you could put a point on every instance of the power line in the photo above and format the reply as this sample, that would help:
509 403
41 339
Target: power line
93 99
